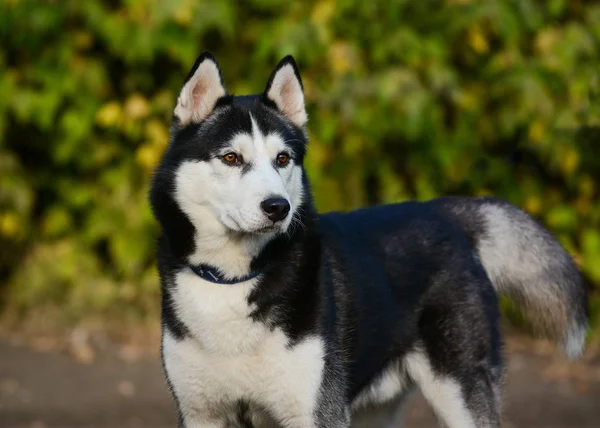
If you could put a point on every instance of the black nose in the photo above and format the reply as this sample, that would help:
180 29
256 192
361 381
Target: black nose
275 208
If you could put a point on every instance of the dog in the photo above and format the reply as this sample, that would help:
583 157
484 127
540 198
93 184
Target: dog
276 316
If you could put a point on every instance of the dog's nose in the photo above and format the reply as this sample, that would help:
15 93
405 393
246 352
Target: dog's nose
275 208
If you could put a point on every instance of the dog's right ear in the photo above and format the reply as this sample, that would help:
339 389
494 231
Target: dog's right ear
201 91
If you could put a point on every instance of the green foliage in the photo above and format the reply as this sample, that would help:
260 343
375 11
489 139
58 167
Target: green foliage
406 100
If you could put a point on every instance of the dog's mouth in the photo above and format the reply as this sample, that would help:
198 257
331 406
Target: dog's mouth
268 229
273 228
237 227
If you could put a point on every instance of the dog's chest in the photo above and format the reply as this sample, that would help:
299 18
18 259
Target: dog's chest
230 357
218 315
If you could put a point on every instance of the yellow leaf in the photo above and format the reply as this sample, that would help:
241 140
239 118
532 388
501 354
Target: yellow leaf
570 161
534 205
148 156
468 99
9 224
478 41
137 107
157 133
322 11
184 13
340 57
546 40
537 130
109 114
318 154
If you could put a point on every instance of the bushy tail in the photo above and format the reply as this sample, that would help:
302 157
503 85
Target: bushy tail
526 262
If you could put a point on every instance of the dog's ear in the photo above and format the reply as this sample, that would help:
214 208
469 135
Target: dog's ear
286 91
202 89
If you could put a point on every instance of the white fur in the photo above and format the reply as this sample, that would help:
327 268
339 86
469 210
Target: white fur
501 250
575 341
442 393
219 198
381 404
513 245
385 388
231 357
200 93
286 92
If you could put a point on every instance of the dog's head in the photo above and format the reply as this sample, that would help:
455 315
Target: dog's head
234 163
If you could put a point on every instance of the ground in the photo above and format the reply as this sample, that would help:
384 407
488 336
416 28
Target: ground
117 387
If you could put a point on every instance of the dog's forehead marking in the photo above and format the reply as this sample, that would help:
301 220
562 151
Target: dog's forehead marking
256 146
256 134
258 140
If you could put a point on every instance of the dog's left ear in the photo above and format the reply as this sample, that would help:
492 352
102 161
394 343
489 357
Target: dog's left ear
286 91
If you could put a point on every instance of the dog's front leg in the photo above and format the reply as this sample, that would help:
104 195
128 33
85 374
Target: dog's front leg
314 421
323 415
197 422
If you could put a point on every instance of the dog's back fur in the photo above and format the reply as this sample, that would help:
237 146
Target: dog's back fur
329 320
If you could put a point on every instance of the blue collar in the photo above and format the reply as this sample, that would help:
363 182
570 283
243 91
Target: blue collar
213 274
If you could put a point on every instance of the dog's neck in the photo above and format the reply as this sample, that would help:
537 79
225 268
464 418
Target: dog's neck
232 254
237 255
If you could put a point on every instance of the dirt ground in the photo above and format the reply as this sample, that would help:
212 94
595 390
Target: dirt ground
114 388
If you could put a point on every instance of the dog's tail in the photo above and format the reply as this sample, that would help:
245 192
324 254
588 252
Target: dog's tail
526 262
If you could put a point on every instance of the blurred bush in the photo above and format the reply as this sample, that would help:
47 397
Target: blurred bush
407 100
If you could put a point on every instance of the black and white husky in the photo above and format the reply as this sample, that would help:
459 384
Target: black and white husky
275 316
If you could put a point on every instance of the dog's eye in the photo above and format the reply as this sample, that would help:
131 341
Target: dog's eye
231 158
283 159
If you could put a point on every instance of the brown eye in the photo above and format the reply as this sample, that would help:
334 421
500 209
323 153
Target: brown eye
282 159
231 158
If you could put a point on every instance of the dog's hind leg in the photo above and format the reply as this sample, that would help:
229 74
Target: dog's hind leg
457 405
457 362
